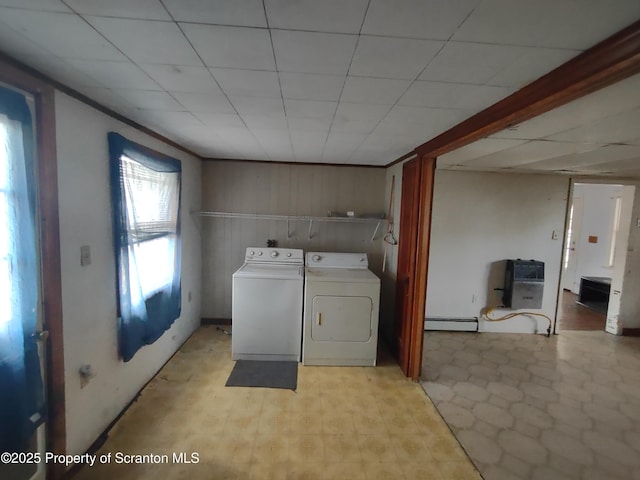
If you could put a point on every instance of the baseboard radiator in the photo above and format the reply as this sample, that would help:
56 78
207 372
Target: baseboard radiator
451 324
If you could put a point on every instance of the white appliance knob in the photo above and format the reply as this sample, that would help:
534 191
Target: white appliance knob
259 254
316 258
252 253
274 254
289 254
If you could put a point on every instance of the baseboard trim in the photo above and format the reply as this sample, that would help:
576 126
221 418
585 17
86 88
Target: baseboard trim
215 321
631 332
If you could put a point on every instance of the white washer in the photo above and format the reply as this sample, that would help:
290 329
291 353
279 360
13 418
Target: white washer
267 305
341 305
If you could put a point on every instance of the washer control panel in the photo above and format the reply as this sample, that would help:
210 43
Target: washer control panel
274 255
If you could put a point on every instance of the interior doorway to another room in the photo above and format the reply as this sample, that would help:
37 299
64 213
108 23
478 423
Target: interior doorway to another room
594 257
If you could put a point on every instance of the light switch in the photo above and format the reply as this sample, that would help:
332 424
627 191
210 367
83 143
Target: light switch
85 255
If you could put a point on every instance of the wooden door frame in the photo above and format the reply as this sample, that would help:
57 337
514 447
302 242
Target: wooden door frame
421 267
608 62
47 172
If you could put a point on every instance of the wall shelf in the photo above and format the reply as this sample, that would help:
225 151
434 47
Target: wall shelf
296 218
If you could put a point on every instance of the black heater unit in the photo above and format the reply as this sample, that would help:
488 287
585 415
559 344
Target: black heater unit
523 284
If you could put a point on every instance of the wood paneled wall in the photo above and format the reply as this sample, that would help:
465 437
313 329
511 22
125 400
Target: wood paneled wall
282 189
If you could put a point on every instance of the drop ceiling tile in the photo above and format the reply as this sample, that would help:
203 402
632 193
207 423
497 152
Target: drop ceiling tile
60 70
71 38
221 120
316 125
378 91
421 124
142 9
249 83
361 111
529 153
18 45
263 122
453 95
310 109
613 129
145 41
386 57
180 78
477 149
308 52
273 140
532 64
326 16
231 47
258 106
342 125
116 74
303 86
148 100
522 22
596 156
308 145
204 102
42 5
108 98
340 146
463 62
431 19
248 13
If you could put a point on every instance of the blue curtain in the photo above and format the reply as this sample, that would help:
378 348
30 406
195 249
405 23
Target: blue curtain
145 239
22 406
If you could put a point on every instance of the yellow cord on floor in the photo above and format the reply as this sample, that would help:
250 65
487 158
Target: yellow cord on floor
487 311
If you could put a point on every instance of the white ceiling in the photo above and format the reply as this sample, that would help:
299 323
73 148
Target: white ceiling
334 81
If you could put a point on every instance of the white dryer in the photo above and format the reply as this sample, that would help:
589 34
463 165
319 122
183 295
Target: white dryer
266 305
341 305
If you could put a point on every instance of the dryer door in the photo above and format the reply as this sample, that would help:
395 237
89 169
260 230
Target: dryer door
341 319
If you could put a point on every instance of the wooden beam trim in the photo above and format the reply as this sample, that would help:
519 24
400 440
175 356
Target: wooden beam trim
427 180
612 60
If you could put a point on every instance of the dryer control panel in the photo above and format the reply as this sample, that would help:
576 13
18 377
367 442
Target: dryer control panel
337 260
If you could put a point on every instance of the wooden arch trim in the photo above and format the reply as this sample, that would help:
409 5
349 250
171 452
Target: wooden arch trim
606 63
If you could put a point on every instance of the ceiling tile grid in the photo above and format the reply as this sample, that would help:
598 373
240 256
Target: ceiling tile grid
340 81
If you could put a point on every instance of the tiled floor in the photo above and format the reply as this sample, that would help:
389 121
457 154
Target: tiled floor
531 407
342 423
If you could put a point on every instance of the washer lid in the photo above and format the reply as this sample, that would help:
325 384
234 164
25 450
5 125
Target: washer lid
281 272
353 275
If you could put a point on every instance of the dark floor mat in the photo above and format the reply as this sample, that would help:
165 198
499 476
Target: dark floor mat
255 373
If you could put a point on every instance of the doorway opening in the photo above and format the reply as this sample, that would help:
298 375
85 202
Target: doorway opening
594 256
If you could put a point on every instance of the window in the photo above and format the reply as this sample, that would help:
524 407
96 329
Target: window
146 204
614 230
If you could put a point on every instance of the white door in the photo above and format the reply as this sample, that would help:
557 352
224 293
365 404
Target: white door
22 401
571 253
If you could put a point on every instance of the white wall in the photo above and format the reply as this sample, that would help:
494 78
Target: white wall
281 189
480 220
88 293
597 221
